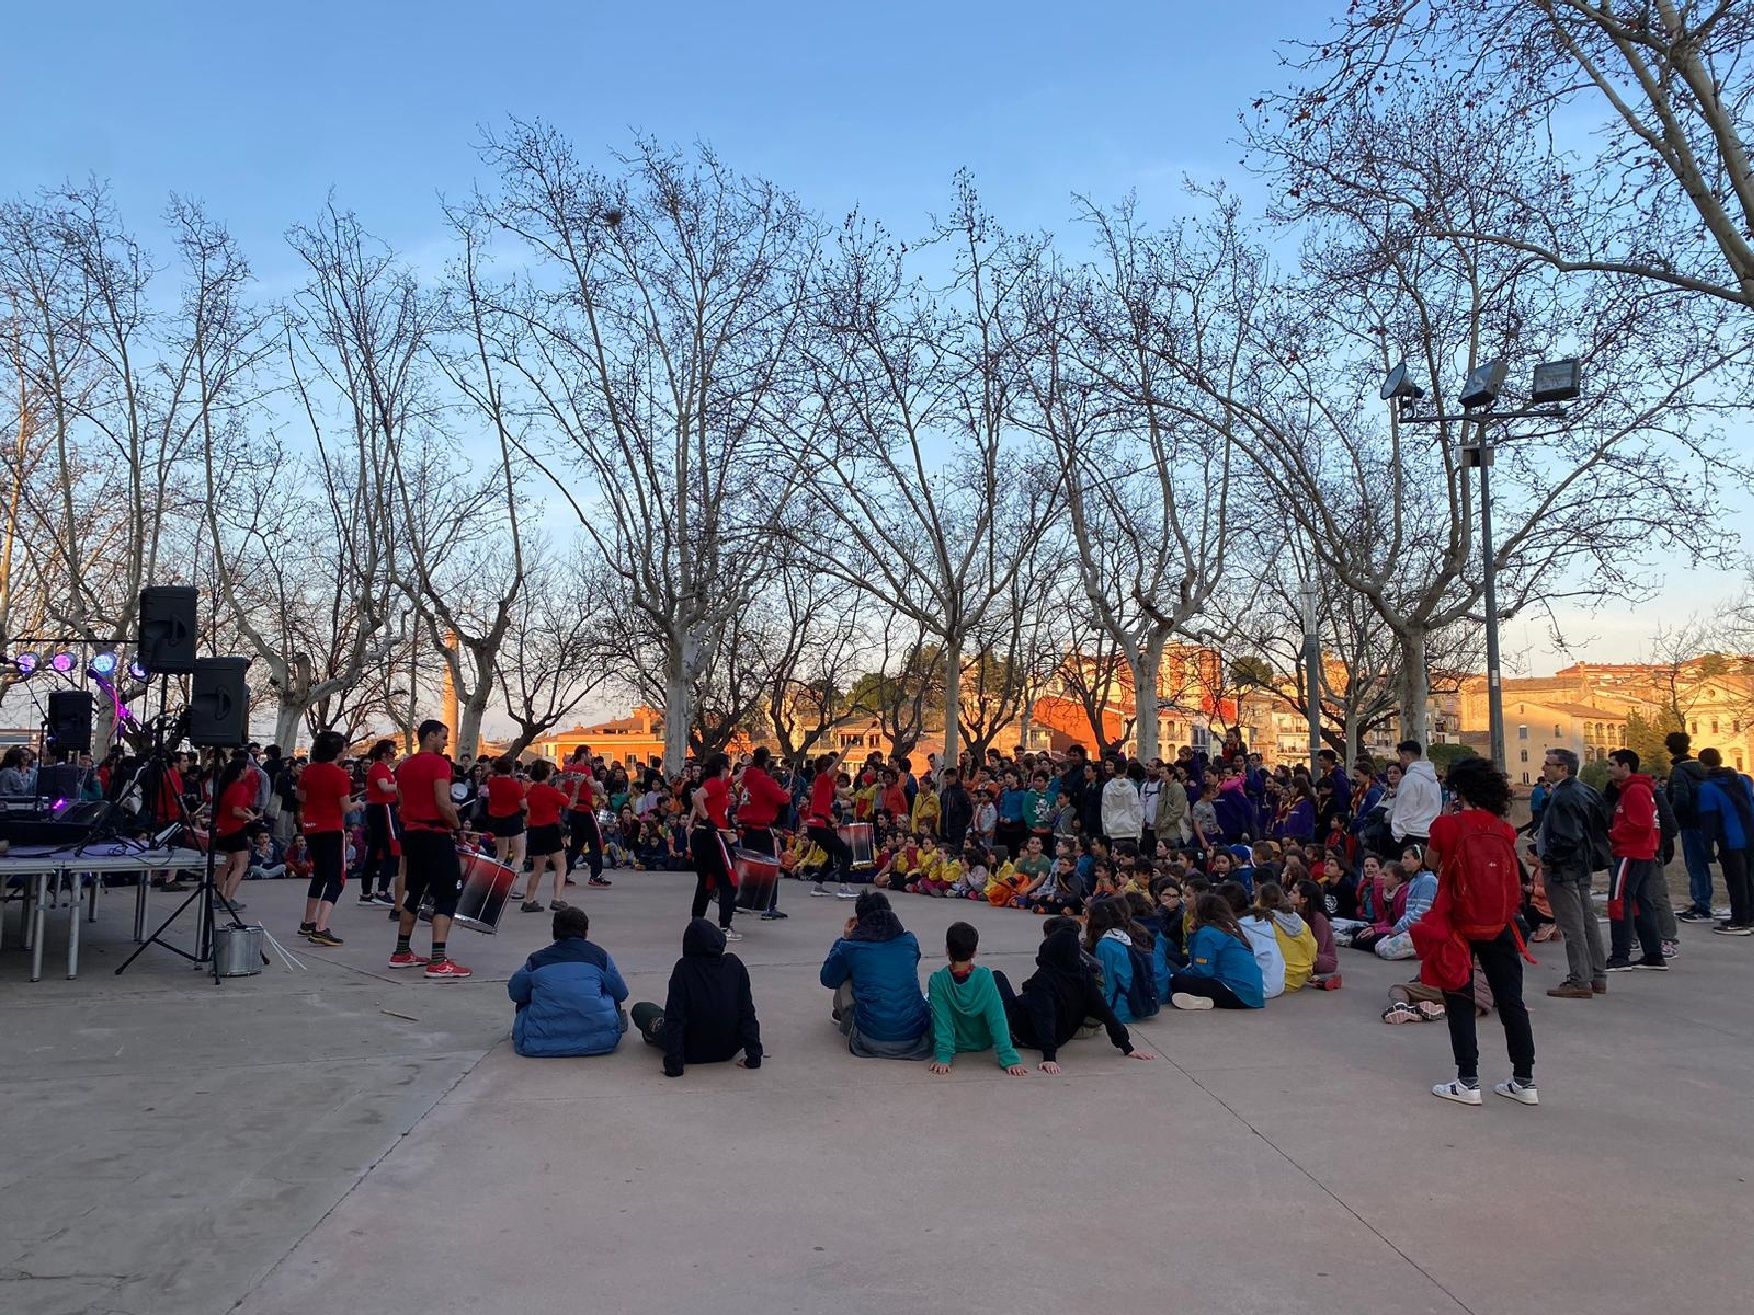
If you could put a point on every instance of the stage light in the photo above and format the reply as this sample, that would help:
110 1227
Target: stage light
104 664
62 663
27 664
136 670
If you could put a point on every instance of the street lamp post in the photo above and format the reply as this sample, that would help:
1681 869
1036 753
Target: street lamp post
1312 675
1554 382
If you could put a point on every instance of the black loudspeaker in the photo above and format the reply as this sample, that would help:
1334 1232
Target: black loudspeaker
167 629
70 721
219 703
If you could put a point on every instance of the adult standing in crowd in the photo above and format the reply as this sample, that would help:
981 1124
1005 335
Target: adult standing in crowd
1634 839
383 851
955 811
763 800
1686 773
1572 842
1726 806
1150 798
1123 816
1418 799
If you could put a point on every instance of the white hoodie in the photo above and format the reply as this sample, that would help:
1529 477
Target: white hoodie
1123 816
1418 801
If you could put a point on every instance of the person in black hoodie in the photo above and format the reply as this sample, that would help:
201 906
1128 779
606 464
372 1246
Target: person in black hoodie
955 810
709 1014
1057 999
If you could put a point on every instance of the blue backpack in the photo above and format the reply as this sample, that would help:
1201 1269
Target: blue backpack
1142 999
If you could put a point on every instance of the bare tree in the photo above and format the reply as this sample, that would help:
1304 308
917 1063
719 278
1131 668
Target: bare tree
551 662
914 455
657 339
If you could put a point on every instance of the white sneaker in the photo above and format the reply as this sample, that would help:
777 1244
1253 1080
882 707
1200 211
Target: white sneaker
1183 1000
731 935
846 892
816 892
1513 1090
1457 1092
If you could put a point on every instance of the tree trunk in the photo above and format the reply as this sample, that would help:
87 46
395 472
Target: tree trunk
678 714
1354 734
287 719
952 698
469 725
1147 667
1415 684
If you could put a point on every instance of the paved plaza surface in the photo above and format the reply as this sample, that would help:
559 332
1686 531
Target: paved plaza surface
350 1138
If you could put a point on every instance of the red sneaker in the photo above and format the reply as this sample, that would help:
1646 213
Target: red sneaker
447 970
407 959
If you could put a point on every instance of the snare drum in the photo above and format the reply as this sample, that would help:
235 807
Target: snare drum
486 885
757 874
857 836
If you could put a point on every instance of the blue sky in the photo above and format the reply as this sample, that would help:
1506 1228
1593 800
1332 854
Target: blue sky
259 111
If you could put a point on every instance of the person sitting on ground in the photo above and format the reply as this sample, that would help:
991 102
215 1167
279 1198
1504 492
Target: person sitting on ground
972 884
1170 922
1388 899
1297 943
569 995
1261 937
1421 889
709 1011
873 970
265 858
1306 901
1058 998
968 1012
1222 971
1123 949
1369 903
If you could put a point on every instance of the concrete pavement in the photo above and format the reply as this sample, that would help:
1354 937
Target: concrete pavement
282 1143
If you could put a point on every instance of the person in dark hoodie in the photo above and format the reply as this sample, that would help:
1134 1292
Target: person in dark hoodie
873 970
1686 773
1726 813
709 1012
569 995
1056 1000
955 810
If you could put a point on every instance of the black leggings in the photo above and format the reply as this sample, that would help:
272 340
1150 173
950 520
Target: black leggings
582 826
1503 967
327 872
380 858
840 854
711 876
1214 990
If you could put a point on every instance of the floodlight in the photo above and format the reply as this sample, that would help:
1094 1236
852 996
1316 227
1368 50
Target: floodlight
62 663
1557 381
1485 381
104 664
1399 388
137 670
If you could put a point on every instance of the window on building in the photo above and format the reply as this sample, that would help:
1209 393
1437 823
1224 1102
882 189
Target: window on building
1738 762
1735 725
1522 732
1694 728
1558 731
1714 725
1524 755
1525 778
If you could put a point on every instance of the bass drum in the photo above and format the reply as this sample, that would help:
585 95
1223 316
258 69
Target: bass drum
486 887
757 875
857 836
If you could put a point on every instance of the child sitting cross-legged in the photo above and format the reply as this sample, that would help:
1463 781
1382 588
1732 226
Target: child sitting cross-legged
1297 943
1262 939
944 879
1306 901
972 882
968 1012
1221 972
1059 997
923 874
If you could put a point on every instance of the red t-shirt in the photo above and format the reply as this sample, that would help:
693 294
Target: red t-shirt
546 803
718 800
822 798
325 786
505 795
380 777
241 793
415 780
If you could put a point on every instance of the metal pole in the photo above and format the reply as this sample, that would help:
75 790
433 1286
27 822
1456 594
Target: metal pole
1489 574
1312 678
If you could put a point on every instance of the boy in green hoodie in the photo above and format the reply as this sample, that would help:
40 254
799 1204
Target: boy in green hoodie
967 1012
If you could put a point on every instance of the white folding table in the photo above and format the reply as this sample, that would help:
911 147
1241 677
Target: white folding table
46 862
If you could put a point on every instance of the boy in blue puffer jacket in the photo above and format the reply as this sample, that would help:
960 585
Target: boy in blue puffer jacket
568 995
873 969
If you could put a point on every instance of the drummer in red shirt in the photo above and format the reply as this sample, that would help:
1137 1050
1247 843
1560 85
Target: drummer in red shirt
708 822
505 813
383 852
547 846
234 809
429 824
325 793
764 799
821 827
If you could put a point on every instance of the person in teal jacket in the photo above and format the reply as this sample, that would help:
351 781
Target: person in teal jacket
968 1013
1222 971
1109 940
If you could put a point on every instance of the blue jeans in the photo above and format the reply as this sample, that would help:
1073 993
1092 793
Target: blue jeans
1696 853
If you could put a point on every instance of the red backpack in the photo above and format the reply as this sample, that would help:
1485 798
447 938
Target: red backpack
1484 880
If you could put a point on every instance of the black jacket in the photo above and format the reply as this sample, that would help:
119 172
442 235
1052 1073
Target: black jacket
1684 779
709 1014
1055 1001
1575 829
955 812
